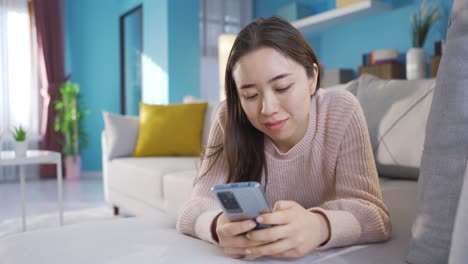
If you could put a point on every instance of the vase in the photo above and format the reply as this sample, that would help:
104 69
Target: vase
415 64
20 148
73 168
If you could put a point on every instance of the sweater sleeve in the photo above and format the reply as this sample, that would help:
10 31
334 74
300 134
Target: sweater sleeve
196 216
357 214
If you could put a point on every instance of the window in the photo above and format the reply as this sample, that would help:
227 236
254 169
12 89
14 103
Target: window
19 95
19 92
218 17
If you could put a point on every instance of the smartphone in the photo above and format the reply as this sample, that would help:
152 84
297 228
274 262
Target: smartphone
242 201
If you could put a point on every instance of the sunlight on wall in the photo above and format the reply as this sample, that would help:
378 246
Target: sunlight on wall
155 83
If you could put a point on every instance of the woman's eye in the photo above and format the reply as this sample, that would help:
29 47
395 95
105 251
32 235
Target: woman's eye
282 90
250 97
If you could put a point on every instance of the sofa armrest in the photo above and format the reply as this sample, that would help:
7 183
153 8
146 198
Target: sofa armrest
105 161
105 146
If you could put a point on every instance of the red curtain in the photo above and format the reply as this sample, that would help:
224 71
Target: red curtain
48 18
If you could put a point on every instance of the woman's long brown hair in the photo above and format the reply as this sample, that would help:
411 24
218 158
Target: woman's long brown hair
243 144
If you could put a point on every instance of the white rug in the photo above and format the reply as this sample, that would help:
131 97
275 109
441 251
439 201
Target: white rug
36 222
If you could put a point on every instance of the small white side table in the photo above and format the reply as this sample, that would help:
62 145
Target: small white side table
8 158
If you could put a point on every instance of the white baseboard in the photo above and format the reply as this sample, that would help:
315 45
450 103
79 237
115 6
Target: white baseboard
91 175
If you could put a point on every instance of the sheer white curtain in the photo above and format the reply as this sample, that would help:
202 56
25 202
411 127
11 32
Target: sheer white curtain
19 92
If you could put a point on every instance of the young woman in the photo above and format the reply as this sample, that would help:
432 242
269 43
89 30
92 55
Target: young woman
308 147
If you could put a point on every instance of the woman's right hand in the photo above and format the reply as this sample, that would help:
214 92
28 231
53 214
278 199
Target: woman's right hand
230 239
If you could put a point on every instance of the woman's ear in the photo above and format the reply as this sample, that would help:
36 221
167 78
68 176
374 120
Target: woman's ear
313 81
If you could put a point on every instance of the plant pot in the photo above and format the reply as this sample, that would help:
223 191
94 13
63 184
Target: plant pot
415 64
20 148
73 168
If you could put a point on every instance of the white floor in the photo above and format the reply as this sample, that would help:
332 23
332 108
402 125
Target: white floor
41 196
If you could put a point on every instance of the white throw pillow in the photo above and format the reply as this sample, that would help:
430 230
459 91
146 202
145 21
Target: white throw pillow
121 134
396 113
209 115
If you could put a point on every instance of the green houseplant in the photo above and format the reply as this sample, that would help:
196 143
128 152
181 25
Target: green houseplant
20 145
68 122
19 133
422 21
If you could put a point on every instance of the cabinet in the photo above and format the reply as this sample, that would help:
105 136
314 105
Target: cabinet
385 71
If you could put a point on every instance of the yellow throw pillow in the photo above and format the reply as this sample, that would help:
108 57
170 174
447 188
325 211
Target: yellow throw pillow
170 130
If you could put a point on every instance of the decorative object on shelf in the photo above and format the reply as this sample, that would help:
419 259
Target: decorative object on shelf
69 122
336 76
434 65
434 61
20 145
422 21
415 64
293 11
439 47
387 71
343 3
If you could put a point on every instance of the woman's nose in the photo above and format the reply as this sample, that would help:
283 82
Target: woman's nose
269 104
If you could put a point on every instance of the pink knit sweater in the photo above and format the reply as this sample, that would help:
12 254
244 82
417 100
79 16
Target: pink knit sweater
330 170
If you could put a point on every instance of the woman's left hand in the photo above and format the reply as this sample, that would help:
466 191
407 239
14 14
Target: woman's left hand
296 232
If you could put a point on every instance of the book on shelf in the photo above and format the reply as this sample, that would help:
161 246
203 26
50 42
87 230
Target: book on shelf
380 57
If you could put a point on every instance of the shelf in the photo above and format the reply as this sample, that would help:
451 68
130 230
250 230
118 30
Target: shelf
340 15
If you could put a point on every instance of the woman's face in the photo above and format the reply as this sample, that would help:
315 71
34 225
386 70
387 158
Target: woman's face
275 91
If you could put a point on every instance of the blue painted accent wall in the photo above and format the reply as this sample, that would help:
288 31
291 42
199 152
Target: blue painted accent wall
342 46
184 49
93 41
93 57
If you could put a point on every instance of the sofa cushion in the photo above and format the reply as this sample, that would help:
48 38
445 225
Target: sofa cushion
177 189
142 178
170 130
121 134
446 151
396 113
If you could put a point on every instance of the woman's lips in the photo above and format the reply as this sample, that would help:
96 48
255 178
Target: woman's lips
276 125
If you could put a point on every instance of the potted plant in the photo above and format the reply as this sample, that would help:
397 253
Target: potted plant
68 122
422 21
20 145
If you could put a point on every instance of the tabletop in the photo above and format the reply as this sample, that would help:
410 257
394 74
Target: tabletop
32 157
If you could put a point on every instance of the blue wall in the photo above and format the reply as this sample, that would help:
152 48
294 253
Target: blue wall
184 49
93 57
93 42
342 46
